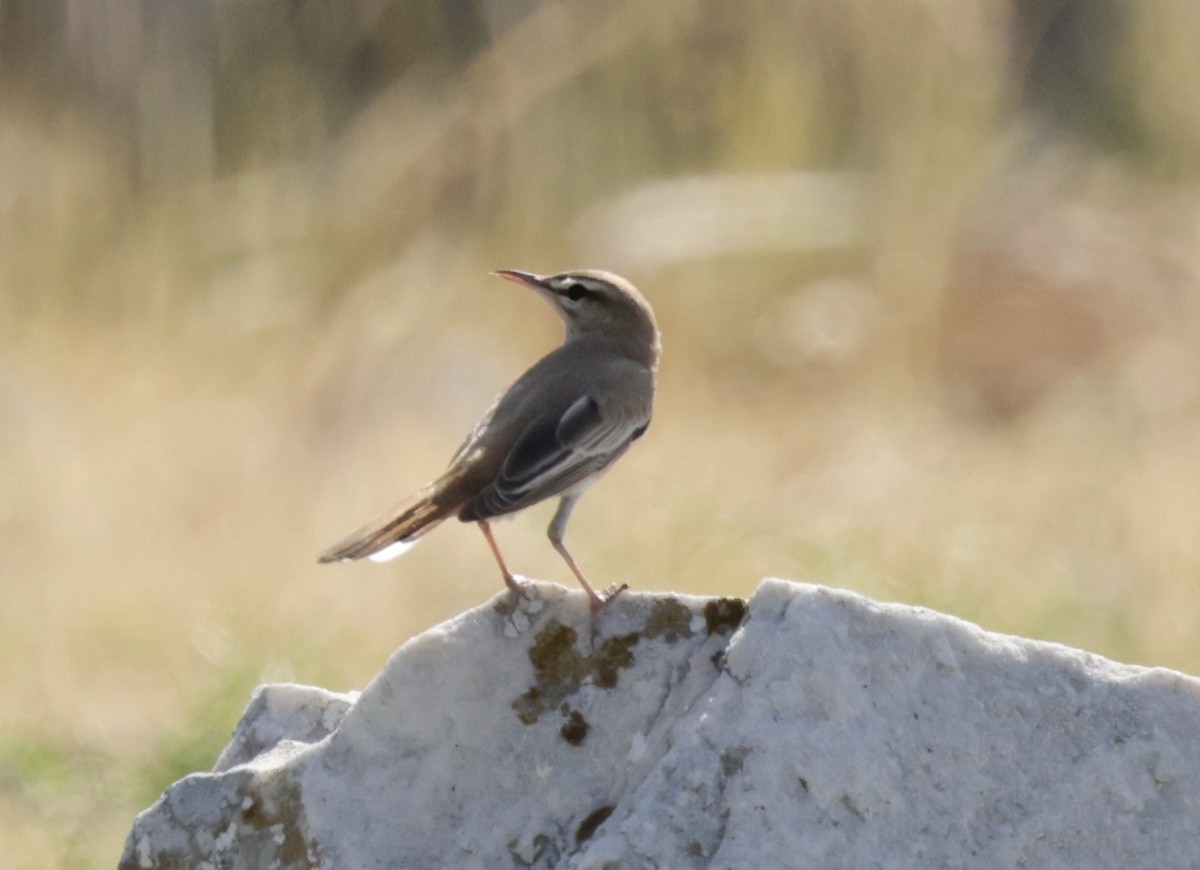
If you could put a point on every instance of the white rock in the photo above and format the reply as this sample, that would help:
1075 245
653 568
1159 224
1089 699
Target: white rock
823 730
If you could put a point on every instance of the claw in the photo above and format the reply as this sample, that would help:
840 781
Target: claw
605 598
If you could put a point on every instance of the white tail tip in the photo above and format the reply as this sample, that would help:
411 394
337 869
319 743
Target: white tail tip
391 551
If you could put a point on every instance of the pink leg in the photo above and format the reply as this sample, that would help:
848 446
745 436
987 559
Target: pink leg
509 580
558 527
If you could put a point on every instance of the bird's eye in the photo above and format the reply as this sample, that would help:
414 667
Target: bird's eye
576 291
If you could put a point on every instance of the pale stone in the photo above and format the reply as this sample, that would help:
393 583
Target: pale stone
817 729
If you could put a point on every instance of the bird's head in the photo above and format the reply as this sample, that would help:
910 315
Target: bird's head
595 303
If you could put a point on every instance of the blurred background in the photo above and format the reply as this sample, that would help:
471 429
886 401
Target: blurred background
927 275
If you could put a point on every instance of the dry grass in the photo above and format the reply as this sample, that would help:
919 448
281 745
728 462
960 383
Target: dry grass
987 403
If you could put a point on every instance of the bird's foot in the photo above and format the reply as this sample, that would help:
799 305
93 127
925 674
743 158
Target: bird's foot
515 586
601 600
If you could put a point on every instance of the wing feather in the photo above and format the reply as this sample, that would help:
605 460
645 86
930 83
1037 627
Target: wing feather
555 453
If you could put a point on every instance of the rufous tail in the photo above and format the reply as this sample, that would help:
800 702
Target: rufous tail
404 523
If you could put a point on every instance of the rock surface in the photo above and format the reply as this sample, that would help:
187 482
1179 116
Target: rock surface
808 729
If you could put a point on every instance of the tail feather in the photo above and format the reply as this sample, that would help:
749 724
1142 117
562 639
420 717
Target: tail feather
404 523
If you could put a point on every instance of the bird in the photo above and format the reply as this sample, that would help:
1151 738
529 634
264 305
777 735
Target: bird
554 432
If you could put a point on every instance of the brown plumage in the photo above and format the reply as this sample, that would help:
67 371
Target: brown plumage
553 433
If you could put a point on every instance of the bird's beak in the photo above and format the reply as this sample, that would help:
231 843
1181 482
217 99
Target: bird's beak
528 279
542 286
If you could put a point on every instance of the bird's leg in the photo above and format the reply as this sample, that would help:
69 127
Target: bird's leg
509 580
558 527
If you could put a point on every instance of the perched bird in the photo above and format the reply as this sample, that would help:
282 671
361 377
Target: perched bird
553 433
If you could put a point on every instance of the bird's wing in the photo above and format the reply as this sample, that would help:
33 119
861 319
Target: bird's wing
556 452
473 437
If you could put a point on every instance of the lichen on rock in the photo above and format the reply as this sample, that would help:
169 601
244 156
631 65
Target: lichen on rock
833 732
